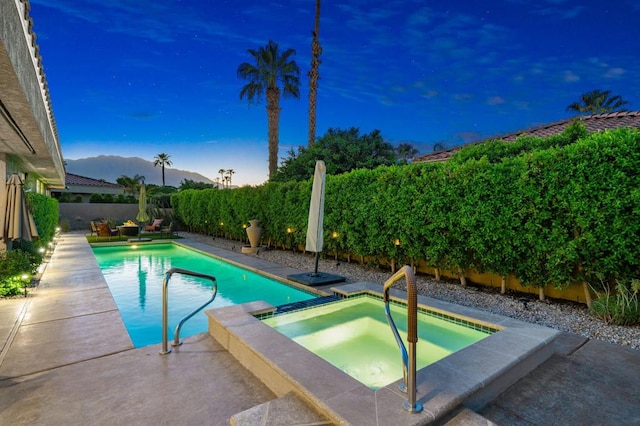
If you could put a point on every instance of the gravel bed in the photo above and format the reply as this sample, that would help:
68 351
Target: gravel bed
560 315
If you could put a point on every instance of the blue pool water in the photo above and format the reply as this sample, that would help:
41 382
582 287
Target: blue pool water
135 276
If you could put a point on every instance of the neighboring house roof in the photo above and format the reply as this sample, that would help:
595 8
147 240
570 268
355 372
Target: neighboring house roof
593 123
77 180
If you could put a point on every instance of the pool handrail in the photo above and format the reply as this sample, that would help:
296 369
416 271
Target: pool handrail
165 306
408 360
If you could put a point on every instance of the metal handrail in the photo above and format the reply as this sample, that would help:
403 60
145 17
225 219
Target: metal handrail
408 360
165 303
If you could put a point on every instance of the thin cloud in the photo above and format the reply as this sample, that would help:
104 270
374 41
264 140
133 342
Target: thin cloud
570 77
496 100
614 73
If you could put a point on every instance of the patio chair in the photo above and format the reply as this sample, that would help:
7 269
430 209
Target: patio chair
104 230
93 226
155 225
166 229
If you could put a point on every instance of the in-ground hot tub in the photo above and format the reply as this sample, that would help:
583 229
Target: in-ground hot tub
473 376
353 335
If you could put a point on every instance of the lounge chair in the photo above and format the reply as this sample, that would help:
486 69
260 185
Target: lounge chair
155 225
104 230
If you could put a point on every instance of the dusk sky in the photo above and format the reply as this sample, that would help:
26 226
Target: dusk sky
137 78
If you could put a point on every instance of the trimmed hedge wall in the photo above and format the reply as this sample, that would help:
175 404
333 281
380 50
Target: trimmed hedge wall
45 213
555 211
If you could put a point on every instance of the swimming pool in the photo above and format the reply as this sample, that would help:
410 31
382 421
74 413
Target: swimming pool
135 274
354 336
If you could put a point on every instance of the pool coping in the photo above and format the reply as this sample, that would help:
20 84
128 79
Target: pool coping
471 377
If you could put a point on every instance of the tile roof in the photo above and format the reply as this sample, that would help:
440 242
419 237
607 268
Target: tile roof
594 123
72 179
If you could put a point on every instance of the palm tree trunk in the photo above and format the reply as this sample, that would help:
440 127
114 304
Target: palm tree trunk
316 51
273 116
162 174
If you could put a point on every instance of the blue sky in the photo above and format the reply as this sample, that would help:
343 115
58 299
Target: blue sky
137 78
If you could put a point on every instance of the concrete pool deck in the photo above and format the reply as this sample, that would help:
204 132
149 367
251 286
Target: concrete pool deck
67 359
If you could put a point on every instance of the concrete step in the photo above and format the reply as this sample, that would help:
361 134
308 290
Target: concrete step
289 409
466 417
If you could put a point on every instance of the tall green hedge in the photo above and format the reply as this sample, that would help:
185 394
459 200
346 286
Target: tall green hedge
553 211
45 213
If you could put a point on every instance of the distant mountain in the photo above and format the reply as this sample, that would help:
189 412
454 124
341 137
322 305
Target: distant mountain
111 167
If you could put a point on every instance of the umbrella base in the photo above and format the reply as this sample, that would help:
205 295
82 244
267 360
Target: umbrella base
250 250
316 278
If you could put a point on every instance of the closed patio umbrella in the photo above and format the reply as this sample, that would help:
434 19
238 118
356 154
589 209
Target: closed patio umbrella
142 216
17 222
315 239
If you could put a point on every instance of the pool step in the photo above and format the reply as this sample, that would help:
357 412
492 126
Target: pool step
289 307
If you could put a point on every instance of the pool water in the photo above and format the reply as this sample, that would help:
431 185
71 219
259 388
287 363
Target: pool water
353 335
135 274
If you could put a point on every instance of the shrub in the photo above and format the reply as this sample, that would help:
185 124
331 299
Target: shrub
45 215
14 266
622 307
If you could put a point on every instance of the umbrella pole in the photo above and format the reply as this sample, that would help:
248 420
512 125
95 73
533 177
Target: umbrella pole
315 272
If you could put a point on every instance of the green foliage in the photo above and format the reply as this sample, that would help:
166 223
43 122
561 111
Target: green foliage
497 150
160 196
341 151
101 198
564 213
16 268
192 184
110 199
65 197
621 307
45 212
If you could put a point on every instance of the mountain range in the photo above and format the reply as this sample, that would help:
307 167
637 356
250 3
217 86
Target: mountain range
111 167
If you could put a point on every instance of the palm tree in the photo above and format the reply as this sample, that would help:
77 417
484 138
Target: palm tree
270 68
130 184
314 76
439 146
405 152
162 159
222 179
597 102
230 172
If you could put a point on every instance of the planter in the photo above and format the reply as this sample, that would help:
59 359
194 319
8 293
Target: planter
254 232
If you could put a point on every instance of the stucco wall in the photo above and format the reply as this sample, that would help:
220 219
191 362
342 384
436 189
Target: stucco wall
78 215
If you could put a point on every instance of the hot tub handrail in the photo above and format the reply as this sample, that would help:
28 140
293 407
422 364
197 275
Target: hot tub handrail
165 305
408 360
